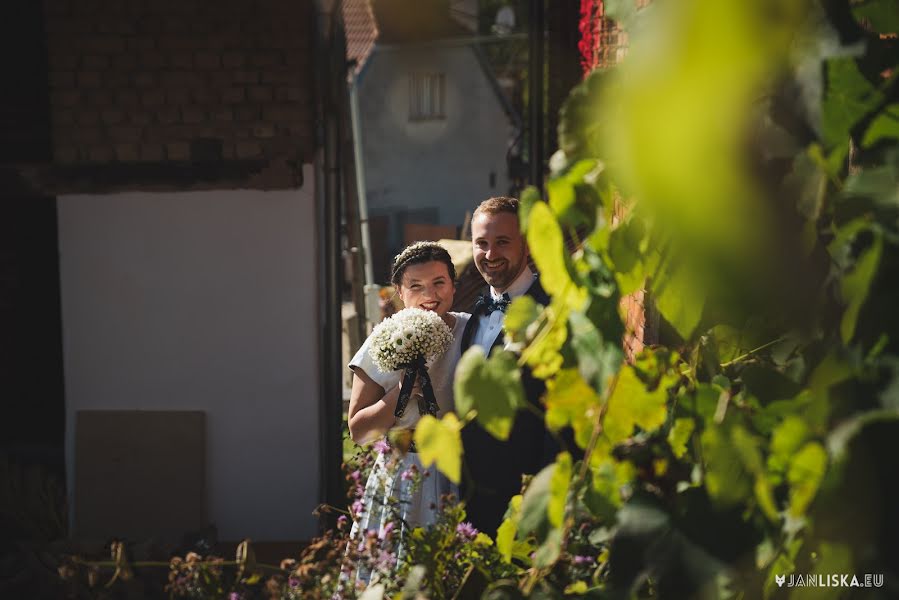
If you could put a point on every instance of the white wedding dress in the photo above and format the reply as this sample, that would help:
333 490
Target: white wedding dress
391 495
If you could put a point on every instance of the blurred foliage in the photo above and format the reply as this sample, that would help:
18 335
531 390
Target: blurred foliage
742 166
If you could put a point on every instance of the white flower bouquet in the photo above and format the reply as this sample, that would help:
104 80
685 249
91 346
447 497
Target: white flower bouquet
410 340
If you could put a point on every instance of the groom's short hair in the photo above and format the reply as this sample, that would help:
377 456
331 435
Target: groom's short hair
496 205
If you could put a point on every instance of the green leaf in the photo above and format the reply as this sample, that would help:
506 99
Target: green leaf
881 15
831 558
680 298
855 286
505 535
884 126
571 401
805 474
548 552
543 353
529 198
849 98
626 249
597 360
786 439
632 404
564 197
491 387
440 442
679 436
534 506
558 489
726 478
548 250
520 315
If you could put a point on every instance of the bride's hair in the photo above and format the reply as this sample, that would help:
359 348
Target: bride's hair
418 253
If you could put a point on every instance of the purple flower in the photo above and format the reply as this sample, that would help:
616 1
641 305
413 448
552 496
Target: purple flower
466 530
293 582
234 596
357 508
583 560
356 475
409 473
382 446
341 521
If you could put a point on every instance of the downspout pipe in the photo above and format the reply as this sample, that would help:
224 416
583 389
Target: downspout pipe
372 310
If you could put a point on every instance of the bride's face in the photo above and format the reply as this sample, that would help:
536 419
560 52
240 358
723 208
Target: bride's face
428 286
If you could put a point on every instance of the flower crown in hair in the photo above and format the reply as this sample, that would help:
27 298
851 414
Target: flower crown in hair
410 252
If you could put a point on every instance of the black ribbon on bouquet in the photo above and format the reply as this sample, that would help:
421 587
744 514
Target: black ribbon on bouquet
427 403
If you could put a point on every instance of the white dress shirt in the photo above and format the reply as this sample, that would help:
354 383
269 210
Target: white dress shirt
490 326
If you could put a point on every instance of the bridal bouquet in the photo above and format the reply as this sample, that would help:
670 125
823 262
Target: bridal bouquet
409 340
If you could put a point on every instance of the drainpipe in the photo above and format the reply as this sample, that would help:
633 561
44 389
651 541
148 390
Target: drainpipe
370 288
328 68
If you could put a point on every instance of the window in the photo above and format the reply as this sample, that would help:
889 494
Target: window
426 96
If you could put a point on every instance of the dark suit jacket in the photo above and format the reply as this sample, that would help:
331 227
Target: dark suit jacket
493 467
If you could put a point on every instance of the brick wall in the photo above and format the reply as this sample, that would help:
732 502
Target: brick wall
157 82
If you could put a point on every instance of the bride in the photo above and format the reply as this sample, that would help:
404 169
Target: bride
408 494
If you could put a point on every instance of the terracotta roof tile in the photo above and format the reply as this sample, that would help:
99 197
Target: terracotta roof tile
361 30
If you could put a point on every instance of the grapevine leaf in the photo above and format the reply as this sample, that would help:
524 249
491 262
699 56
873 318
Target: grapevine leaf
632 404
882 15
680 299
543 354
805 474
529 198
492 387
848 99
884 126
534 505
679 436
597 360
548 552
547 247
571 401
564 197
440 442
786 439
523 311
856 285
505 535
726 478
626 253
558 489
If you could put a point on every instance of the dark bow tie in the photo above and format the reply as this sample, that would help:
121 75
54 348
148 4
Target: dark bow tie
487 304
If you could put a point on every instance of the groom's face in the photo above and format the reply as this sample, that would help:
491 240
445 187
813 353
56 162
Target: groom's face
500 251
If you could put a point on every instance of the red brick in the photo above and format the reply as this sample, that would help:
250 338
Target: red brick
105 44
246 113
152 152
98 98
260 93
168 115
177 79
124 62
152 59
178 150
141 43
66 97
280 75
192 114
153 97
268 58
233 95
232 60
177 42
144 79
202 95
129 99
281 113
291 94
126 152
62 79
223 114
87 117
100 154
63 61
176 26
207 60
94 62
115 26
116 79
181 60
89 79
139 118
87 134
244 76
65 154
263 131
178 97
112 116
247 149
63 116
124 133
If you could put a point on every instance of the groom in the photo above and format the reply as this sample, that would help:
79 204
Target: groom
495 467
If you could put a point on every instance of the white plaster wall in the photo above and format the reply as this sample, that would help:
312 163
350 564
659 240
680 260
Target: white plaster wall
203 301
443 164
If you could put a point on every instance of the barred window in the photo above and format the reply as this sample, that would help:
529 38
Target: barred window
426 96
